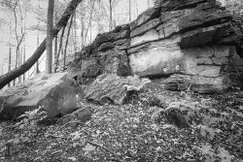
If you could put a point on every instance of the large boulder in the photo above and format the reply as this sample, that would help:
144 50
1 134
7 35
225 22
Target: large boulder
56 93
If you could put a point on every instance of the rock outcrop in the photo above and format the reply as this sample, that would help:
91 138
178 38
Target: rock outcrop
56 93
193 38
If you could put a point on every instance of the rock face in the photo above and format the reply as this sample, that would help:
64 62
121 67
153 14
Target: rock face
55 92
113 89
193 38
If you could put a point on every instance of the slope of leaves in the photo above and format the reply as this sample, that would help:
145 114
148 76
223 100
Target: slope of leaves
129 132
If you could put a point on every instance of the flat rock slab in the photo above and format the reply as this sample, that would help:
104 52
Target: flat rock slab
199 84
55 92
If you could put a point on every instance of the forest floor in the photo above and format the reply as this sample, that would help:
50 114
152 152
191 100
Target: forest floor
134 132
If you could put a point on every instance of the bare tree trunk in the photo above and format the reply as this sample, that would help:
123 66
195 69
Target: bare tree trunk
23 32
75 32
130 10
56 40
24 58
20 63
82 31
9 61
90 22
148 3
110 23
22 39
10 52
90 32
8 77
16 37
59 51
55 47
49 37
65 49
38 42
136 6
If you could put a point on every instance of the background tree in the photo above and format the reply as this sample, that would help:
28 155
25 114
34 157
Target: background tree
49 36
130 10
110 13
65 49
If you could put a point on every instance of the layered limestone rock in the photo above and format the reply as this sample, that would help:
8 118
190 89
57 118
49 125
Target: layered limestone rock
193 38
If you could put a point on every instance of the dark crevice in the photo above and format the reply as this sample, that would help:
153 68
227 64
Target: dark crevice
206 24
158 76
128 63
188 6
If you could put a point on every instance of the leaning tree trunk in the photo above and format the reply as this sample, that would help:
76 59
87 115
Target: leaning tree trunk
65 49
38 43
59 51
8 77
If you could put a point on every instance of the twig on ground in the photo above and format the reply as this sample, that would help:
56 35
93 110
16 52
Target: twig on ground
55 136
102 147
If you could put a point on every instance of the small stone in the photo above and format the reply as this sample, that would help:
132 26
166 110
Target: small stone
220 60
224 51
204 61
174 116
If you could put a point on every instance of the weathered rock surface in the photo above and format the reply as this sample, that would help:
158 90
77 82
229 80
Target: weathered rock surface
194 38
200 84
113 89
57 94
184 114
157 61
113 62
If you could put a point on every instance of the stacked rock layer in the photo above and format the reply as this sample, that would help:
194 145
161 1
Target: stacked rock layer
188 43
